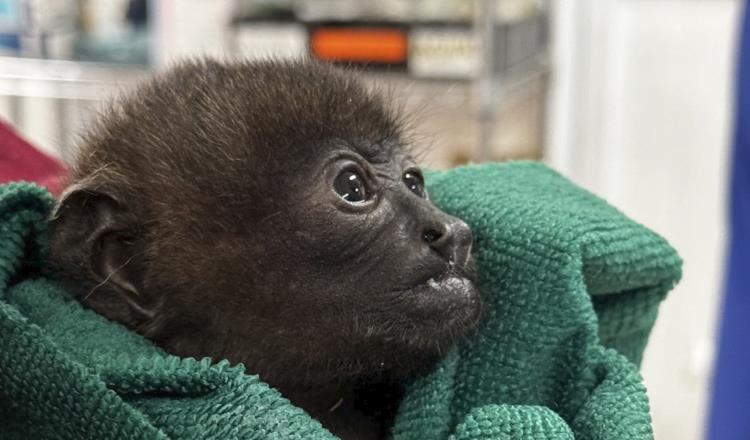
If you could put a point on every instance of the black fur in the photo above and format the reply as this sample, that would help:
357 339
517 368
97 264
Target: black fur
201 214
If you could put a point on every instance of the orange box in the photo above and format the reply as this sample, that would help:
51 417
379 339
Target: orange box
380 45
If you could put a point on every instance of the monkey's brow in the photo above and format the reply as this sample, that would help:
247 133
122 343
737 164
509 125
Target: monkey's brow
377 153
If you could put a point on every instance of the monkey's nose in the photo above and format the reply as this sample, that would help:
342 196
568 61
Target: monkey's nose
451 239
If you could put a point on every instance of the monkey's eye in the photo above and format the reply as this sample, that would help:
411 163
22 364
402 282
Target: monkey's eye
350 186
414 182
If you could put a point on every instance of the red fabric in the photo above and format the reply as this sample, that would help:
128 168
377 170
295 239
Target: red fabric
19 160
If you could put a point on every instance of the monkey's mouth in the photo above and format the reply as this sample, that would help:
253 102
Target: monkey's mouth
452 287
450 281
453 277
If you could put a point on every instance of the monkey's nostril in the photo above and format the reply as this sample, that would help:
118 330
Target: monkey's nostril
452 240
431 236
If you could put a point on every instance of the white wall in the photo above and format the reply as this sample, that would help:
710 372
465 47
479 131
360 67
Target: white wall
185 28
641 113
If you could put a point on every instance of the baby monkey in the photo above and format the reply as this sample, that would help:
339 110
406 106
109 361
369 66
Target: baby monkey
269 213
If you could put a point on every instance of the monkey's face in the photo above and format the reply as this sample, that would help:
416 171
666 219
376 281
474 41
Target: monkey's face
388 253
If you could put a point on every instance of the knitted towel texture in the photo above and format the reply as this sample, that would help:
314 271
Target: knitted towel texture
572 289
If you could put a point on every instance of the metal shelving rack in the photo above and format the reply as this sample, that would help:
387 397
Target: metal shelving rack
506 66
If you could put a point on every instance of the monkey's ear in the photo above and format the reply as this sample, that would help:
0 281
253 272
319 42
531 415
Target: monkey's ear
93 235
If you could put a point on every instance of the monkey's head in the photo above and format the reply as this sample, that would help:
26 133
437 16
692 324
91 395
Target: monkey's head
266 212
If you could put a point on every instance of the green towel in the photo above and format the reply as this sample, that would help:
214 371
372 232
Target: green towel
564 273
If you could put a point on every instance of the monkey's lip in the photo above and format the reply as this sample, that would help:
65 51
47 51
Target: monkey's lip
452 282
452 278
448 275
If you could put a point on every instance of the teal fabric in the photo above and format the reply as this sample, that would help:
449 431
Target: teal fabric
572 287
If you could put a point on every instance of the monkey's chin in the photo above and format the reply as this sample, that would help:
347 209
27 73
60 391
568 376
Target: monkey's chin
435 315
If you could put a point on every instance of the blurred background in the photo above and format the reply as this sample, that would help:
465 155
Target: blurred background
632 99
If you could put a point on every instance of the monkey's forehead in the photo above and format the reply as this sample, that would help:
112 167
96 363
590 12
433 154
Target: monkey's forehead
267 101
